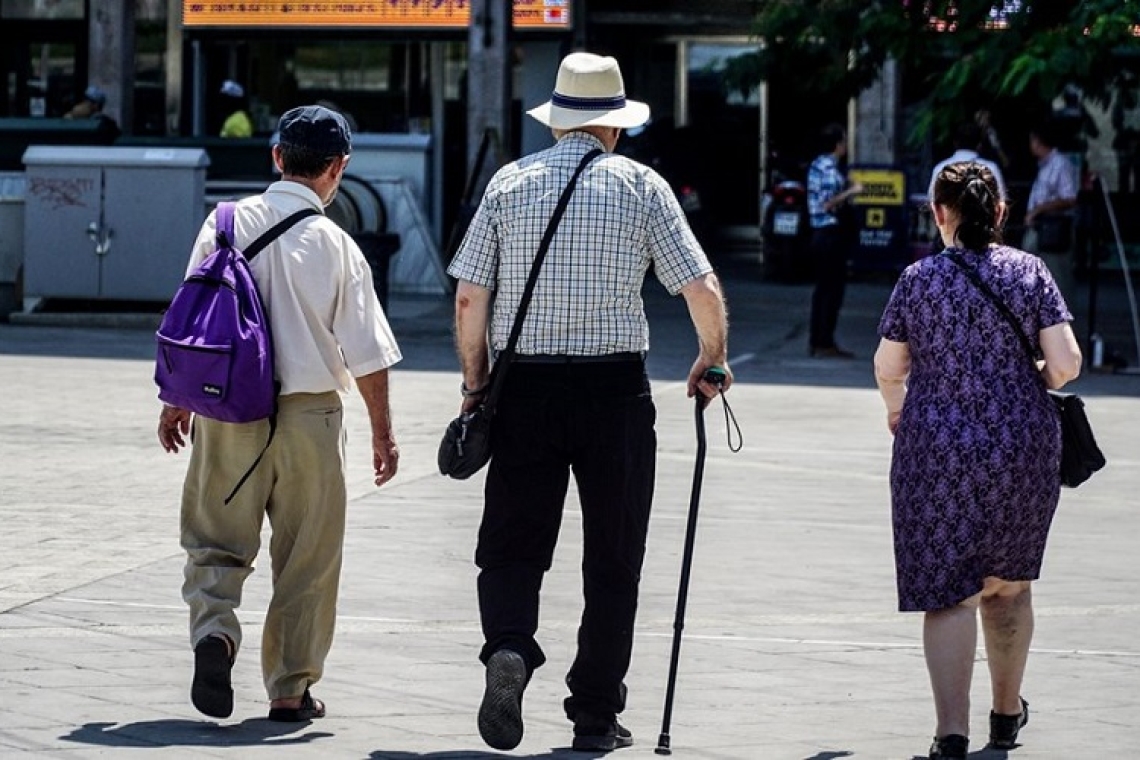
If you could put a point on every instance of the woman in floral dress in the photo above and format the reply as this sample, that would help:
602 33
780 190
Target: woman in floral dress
975 471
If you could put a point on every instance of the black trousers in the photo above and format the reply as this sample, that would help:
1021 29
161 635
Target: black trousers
828 249
597 421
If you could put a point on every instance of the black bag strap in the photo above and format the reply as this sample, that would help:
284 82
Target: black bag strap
276 231
988 292
499 371
256 462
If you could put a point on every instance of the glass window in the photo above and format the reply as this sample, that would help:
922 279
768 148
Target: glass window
150 10
382 87
348 66
51 84
150 78
724 130
42 9
727 69
455 71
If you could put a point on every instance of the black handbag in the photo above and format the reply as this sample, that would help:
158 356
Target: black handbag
1080 454
466 445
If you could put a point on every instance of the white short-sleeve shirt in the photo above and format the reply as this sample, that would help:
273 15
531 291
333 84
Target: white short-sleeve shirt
327 323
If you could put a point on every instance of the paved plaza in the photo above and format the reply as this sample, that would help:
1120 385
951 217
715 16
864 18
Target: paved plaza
792 649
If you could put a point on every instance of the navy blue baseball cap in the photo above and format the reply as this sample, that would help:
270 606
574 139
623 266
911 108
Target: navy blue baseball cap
317 129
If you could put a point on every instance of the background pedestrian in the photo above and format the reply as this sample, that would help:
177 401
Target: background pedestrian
91 106
1050 210
237 122
831 239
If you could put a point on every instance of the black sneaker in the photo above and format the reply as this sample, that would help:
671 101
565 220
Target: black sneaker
211 691
950 747
500 714
591 735
1005 728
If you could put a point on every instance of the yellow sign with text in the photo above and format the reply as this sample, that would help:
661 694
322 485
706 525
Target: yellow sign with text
400 14
881 187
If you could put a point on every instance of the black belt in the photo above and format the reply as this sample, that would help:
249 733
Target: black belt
629 356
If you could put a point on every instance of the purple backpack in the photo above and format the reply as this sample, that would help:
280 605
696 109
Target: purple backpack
215 352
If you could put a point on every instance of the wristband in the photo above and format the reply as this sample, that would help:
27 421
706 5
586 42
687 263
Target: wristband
469 392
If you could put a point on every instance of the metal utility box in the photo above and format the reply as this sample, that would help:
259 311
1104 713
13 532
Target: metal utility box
108 222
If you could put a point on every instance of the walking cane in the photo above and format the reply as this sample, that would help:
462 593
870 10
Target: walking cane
715 376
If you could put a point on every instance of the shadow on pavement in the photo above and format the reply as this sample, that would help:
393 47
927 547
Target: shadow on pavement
987 753
192 733
558 753
831 755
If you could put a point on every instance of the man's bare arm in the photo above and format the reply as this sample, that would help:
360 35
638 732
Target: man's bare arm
472 317
710 317
385 454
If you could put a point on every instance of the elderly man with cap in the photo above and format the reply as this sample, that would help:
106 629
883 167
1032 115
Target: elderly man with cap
329 334
576 396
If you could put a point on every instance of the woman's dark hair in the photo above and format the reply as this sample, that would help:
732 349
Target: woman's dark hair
301 162
830 136
971 191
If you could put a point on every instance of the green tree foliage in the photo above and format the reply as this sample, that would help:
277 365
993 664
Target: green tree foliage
957 48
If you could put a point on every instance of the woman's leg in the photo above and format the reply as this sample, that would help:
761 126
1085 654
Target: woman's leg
1007 622
950 642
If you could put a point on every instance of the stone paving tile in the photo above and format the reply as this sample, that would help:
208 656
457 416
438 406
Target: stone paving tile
792 649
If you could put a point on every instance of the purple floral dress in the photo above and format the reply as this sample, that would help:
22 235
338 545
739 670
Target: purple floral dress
975 467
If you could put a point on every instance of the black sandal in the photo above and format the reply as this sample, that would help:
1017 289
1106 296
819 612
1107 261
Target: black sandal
1004 728
949 747
310 709
211 690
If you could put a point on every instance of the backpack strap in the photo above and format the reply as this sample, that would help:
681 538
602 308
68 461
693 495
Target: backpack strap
273 232
224 221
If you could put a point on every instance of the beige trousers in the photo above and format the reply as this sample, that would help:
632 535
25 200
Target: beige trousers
300 485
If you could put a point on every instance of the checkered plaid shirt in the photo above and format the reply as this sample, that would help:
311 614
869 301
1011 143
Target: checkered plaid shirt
824 182
622 218
1056 180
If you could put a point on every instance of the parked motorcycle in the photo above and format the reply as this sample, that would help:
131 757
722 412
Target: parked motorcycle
786 232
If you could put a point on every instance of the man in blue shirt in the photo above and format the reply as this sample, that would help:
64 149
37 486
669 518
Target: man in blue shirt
828 193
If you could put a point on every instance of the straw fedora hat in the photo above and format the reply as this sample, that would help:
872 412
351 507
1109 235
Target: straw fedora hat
589 92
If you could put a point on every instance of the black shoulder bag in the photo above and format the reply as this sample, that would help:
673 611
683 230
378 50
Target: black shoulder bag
466 444
1080 454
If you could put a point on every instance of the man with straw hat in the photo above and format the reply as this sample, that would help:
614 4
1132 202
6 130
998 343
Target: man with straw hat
576 397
